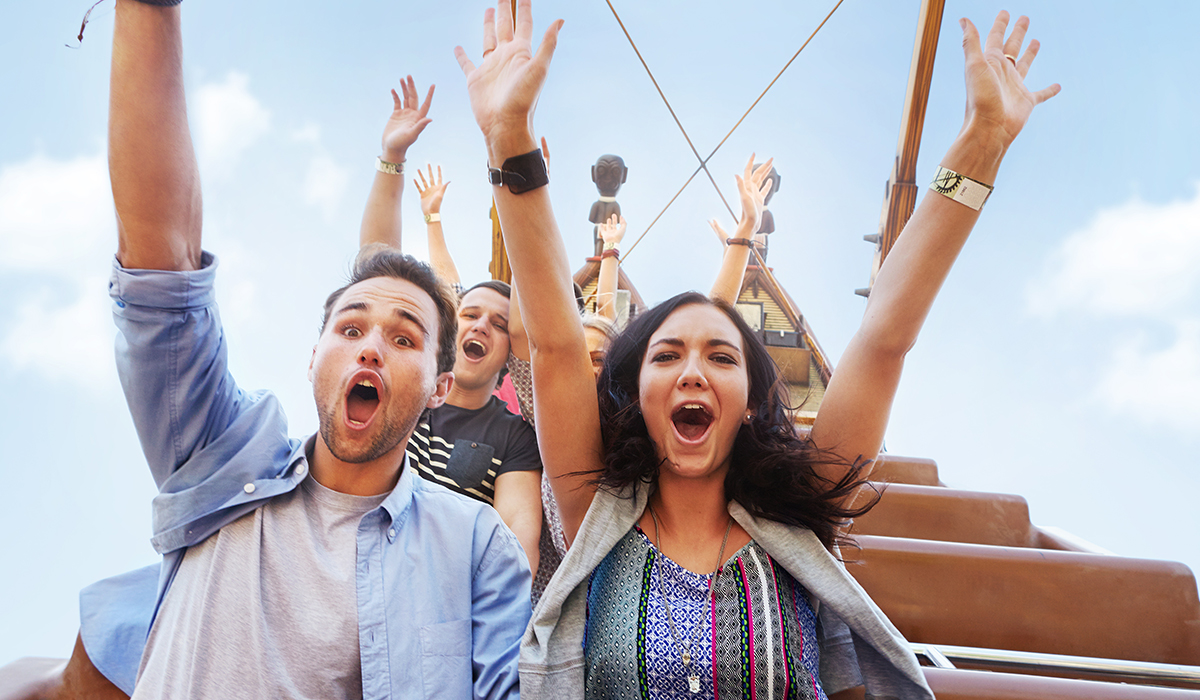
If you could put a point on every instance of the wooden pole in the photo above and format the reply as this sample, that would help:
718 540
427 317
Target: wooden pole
901 195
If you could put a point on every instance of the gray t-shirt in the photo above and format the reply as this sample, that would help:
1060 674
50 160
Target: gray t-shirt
266 607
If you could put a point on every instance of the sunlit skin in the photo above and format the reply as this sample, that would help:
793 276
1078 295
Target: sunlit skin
597 346
382 331
695 358
483 345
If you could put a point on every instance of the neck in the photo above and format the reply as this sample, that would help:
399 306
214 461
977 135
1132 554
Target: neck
471 398
696 507
357 479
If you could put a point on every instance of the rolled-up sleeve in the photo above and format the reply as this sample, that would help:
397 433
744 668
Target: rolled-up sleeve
209 445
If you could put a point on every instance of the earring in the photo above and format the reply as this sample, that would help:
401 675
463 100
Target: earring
749 417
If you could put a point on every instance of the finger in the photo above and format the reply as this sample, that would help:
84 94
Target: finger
766 187
417 185
1027 59
1046 93
995 37
525 20
971 48
424 183
489 31
741 184
545 50
1012 47
440 175
504 21
763 170
397 105
463 62
420 125
545 149
410 92
428 101
718 230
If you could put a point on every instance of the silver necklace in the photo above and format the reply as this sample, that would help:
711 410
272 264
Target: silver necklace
685 648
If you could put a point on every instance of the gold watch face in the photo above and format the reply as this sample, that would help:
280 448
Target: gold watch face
947 181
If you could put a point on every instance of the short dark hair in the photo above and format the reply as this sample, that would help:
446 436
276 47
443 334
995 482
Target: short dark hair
771 472
382 261
501 288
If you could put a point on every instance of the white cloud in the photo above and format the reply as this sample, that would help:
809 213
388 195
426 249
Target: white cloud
1136 259
1157 386
71 344
1134 267
325 184
228 120
55 213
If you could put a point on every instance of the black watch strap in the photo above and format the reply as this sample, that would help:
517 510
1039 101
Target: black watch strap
521 173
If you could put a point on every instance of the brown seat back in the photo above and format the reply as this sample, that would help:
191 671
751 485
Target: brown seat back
1032 599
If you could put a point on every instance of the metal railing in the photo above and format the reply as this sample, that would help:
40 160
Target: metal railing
946 656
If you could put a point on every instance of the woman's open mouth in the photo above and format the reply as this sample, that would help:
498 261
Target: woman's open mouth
362 402
691 421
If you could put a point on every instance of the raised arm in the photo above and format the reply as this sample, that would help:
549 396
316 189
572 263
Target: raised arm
612 231
381 218
854 412
503 89
753 186
155 182
432 191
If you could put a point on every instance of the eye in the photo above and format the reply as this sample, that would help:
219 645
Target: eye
351 332
404 341
724 359
664 357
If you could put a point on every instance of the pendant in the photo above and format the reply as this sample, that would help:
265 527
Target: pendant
694 683
686 658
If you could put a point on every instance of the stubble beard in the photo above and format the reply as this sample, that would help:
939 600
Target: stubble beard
392 431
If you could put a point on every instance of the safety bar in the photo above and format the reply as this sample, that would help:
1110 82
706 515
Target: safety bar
945 656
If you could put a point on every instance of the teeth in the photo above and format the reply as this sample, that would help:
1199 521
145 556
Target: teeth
366 383
692 405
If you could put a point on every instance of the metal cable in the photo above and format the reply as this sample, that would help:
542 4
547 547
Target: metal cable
704 161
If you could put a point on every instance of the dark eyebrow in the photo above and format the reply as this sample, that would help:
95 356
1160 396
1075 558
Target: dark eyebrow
402 313
409 316
715 342
475 307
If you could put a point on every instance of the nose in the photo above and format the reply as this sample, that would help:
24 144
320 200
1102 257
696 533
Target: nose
369 352
692 375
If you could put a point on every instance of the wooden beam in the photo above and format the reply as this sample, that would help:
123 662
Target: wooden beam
900 198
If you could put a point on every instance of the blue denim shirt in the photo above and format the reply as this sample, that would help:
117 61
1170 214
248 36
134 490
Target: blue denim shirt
442 585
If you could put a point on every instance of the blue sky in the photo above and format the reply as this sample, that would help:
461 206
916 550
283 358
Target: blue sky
1061 362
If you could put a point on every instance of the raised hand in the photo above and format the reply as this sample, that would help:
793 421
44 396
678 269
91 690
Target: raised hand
753 186
504 87
431 190
997 97
613 230
409 118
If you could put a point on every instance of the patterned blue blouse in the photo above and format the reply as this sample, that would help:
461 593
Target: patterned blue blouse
755 638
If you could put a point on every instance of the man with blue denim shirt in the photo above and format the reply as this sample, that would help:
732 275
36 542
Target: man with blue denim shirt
318 569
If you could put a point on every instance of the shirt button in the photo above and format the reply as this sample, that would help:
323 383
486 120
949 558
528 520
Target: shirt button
391 533
248 488
474 445
301 470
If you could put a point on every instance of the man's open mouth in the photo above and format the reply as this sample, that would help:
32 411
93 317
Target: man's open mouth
691 421
474 349
361 402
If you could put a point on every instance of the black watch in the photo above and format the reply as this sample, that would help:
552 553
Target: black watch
521 173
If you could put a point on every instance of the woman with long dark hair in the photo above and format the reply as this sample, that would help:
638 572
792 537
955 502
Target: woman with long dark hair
702 531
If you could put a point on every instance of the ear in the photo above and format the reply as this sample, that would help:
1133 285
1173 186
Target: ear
593 173
624 174
311 361
441 390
